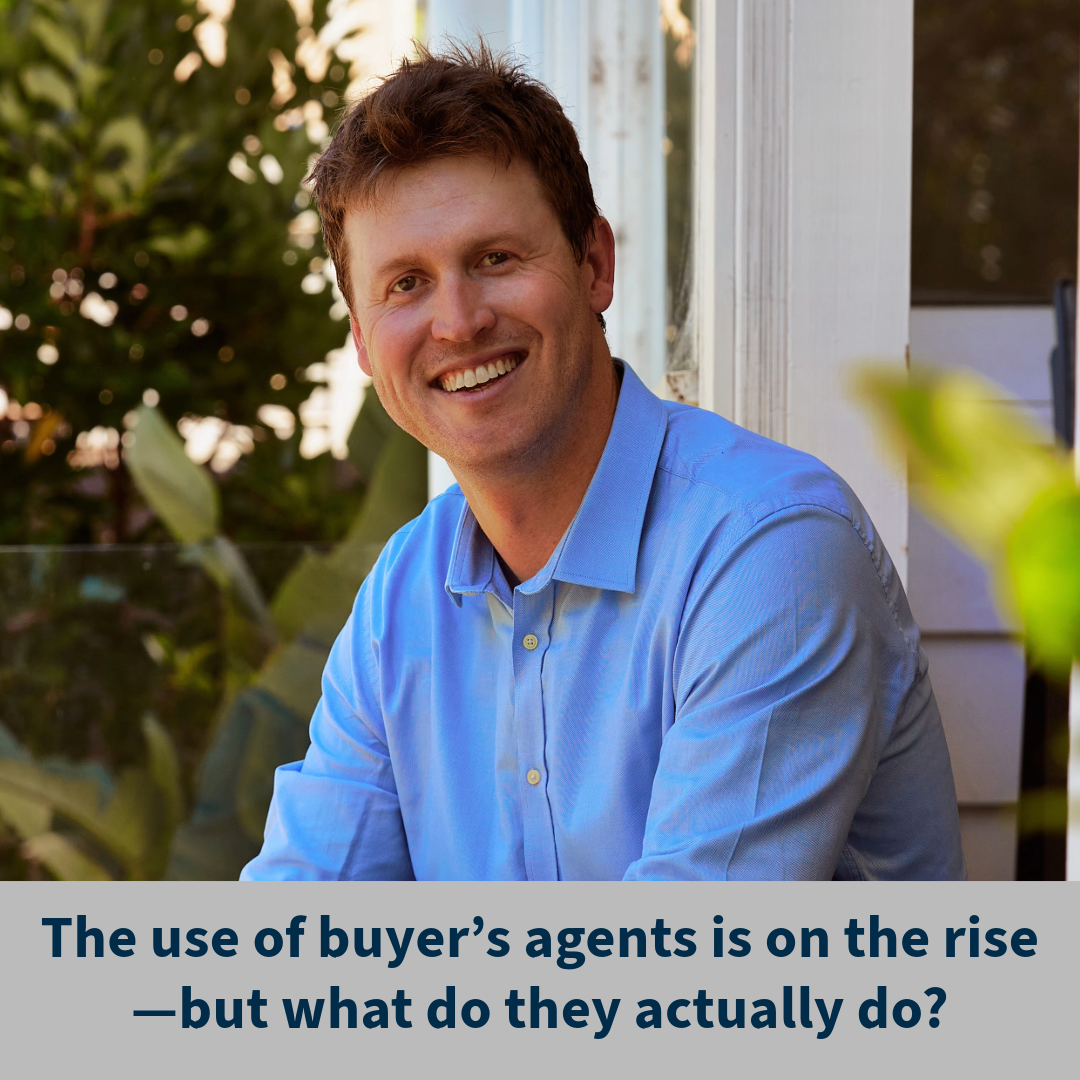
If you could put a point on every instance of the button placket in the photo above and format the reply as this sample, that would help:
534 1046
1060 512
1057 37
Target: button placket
532 622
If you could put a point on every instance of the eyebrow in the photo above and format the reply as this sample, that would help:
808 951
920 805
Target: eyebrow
492 242
397 264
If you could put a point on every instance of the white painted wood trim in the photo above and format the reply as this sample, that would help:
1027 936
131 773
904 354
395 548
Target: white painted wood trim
803 180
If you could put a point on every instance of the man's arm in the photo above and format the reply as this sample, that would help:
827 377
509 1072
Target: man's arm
795 674
335 815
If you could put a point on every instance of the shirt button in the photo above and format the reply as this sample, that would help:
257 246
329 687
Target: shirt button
533 775
530 641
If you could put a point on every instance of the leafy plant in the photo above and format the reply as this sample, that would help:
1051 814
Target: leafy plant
154 236
80 822
997 483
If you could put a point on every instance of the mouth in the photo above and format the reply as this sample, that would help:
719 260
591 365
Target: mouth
476 377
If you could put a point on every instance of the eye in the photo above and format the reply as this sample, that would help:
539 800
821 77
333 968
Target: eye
493 258
405 284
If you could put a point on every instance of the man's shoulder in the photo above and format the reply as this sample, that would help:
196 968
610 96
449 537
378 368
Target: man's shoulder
755 475
429 536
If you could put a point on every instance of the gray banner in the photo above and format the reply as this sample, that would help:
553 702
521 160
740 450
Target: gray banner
1002 1001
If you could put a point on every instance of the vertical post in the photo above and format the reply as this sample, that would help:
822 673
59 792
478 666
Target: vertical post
803 181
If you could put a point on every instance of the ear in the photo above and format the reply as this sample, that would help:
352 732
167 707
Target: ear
599 265
361 348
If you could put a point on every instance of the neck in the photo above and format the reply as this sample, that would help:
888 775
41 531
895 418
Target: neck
525 515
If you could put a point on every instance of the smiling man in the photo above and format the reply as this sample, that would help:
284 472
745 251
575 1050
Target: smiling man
634 641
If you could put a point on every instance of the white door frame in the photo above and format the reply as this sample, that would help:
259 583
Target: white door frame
802 232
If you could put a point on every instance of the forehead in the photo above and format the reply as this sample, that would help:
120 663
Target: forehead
447 201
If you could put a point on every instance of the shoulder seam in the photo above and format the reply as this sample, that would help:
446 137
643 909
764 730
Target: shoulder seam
868 547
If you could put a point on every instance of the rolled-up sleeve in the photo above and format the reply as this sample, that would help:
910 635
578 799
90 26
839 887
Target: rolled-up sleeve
335 815
791 668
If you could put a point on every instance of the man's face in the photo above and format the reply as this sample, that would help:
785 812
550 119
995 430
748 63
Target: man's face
471 313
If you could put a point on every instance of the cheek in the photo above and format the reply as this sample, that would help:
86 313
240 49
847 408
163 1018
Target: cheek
539 300
394 340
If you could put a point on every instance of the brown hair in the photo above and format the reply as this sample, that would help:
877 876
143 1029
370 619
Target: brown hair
463 102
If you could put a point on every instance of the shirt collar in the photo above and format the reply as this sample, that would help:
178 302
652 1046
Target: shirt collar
600 549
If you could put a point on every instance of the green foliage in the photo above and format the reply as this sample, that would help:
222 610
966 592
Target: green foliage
181 494
995 148
994 481
79 823
110 166
265 724
154 234
136 826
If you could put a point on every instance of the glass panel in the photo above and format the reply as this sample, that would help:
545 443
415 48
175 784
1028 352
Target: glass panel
678 138
94 638
994 210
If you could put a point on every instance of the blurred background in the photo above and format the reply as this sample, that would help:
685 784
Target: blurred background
193 480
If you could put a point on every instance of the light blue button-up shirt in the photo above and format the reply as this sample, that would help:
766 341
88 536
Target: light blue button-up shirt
715 676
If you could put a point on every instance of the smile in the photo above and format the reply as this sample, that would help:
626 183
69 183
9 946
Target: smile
470 378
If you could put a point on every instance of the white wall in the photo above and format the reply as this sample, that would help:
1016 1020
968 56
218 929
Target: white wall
976 660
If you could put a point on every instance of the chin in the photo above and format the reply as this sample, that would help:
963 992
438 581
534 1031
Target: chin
485 456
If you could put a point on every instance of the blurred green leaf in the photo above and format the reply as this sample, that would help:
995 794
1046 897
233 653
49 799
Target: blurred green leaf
92 15
181 493
220 559
27 816
982 463
13 113
1043 559
64 858
999 485
42 82
39 178
60 43
132 820
184 247
127 135
164 769
91 79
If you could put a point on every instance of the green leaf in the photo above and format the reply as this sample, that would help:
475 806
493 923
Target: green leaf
27 816
50 134
13 113
221 559
179 491
998 483
397 492
91 79
185 247
164 767
92 15
1043 555
39 178
293 675
42 82
63 858
59 42
127 134
972 456
173 157
277 735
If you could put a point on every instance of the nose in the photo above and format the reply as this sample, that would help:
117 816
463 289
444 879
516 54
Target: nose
460 311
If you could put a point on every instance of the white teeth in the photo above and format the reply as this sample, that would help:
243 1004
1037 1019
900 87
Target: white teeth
482 373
